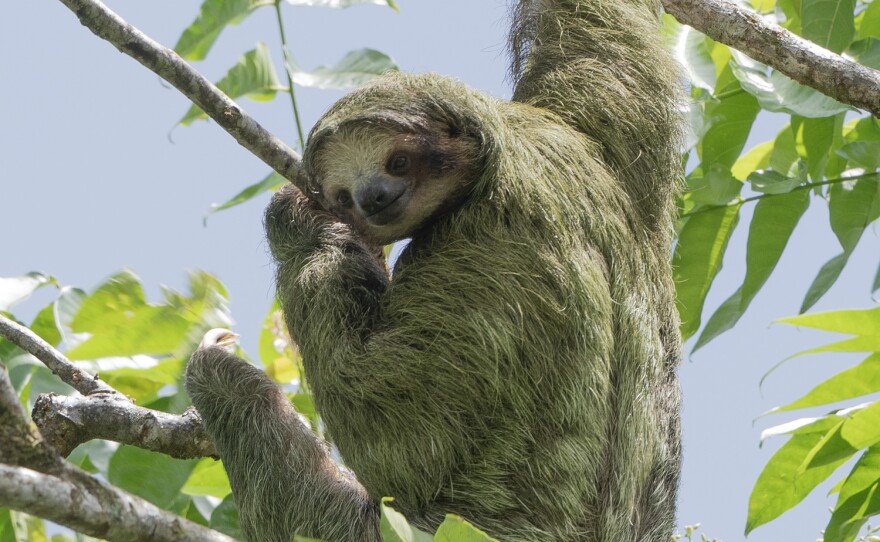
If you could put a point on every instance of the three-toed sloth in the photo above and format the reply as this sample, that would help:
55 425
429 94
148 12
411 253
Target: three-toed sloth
519 369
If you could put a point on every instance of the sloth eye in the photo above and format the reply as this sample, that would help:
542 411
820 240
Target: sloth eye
343 198
398 164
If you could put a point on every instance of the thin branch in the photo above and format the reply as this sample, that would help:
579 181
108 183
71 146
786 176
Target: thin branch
69 373
802 60
167 64
287 70
90 506
807 186
68 421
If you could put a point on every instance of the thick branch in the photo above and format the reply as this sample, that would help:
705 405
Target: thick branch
101 412
20 442
69 373
168 65
95 508
805 62
68 421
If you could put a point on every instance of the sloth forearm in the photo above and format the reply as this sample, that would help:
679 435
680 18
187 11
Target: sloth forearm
273 459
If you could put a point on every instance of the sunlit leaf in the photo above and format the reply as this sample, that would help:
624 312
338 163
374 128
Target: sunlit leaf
756 159
862 429
355 68
208 478
772 225
394 528
456 529
253 76
784 482
214 16
828 23
717 186
697 260
863 379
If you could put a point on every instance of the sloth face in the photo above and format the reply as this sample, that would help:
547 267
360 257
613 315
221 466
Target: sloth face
388 183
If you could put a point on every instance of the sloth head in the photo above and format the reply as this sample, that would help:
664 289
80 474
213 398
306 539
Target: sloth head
390 158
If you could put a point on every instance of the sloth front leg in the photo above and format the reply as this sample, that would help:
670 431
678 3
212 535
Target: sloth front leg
282 475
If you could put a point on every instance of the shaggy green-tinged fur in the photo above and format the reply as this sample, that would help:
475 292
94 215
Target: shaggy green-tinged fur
519 369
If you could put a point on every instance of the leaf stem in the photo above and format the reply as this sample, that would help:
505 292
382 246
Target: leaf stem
762 196
299 128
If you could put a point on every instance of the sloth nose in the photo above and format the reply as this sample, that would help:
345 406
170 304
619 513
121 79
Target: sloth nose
378 194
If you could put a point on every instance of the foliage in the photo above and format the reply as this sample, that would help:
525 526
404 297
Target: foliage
826 152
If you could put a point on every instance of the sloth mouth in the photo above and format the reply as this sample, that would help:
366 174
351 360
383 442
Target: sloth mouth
390 212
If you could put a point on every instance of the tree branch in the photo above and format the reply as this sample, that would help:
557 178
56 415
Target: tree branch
69 373
167 64
68 421
802 60
96 508
101 412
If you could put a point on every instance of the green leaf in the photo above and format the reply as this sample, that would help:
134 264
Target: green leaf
394 528
853 205
828 23
862 429
862 153
697 260
868 21
768 181
814 138
270 183
208 478
772 225
717 186
7 532
785 482
863 379
337 4
777 92
225 518
456 529
865 324
866 52
732 117
253 76
355 69
153 476
214 16
756 159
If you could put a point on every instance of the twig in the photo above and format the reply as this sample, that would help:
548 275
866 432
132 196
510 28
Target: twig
69 373
68 421
96 508
167 64
805 62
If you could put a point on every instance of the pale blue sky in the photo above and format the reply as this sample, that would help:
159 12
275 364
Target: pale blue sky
90 183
